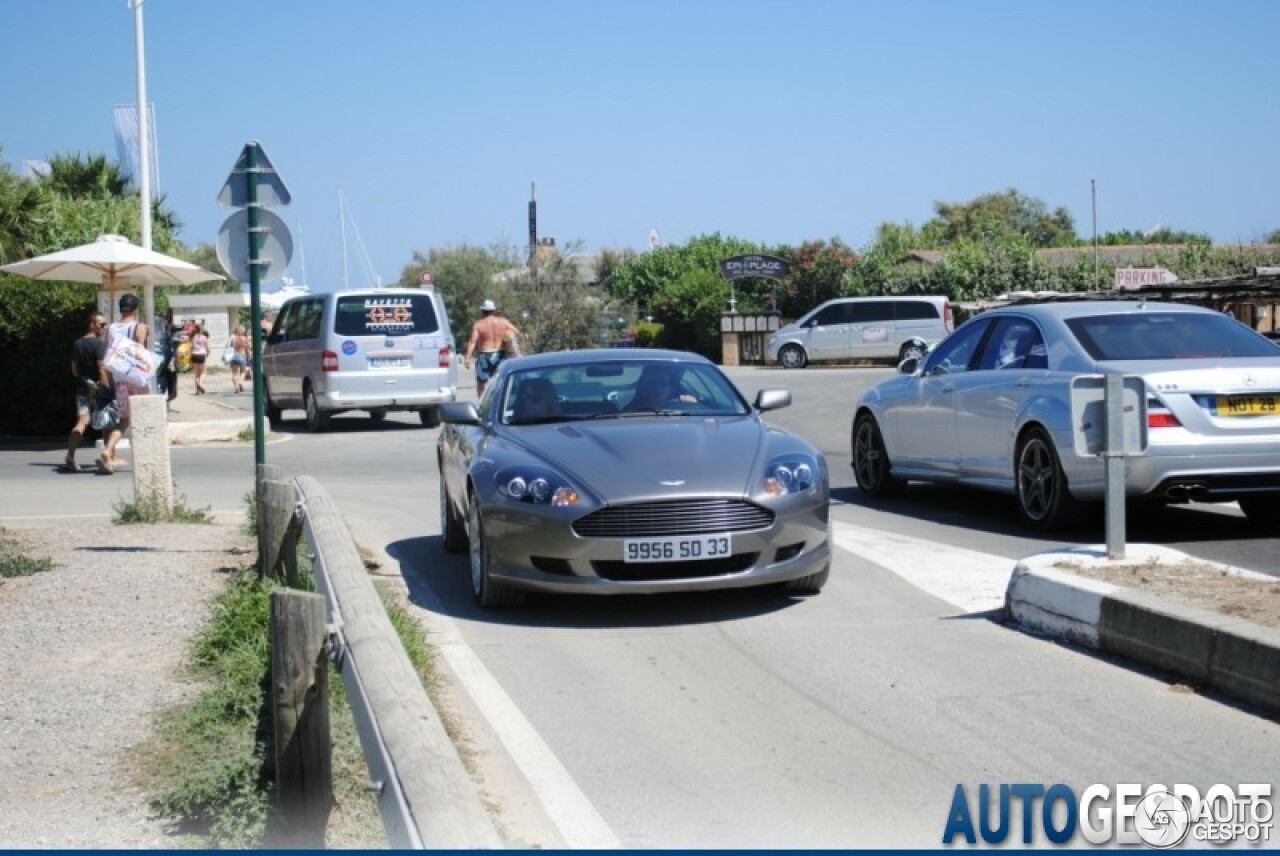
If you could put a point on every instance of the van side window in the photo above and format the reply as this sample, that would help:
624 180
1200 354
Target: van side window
865 312
915 310
307 321
833 314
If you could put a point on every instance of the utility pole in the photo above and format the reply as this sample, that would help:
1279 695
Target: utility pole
144 161
1093 193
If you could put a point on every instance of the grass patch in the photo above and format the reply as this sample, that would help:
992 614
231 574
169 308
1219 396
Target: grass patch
246 434
250 526
204 767
14 563
209 766
152 511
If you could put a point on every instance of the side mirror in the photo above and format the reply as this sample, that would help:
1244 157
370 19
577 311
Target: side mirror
772 399
909 366
459 413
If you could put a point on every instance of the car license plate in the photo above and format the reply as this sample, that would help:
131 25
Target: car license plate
1247 405
390 362
688 549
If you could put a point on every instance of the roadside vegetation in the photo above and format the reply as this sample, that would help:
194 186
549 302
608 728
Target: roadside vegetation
209 766
15 563
152 511
668 296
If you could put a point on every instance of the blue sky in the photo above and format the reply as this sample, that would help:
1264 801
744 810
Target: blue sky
776 122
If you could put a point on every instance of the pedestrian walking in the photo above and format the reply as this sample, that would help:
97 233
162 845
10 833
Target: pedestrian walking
239 346
493 338
128 327
86 362
199 355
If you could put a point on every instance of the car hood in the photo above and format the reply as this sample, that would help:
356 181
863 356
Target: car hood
652 457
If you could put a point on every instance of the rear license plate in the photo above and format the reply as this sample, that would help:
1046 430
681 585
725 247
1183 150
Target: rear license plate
688 549
1246 405
390 362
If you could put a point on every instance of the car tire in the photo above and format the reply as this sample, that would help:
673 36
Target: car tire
811 584
1262 511
452 532
317 419
1044 499
488 594
273 413
792 357
430 417
870 460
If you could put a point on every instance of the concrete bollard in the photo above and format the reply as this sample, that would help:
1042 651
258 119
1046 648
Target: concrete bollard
149 442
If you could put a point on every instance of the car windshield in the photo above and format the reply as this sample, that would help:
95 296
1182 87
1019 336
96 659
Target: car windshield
1167 336
618 389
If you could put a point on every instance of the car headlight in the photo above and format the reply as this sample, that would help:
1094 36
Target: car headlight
537 486
790 474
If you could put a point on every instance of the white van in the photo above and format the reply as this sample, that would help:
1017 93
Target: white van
863 328
375 350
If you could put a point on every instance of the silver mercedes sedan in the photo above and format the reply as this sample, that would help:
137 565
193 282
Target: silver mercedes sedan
992 406
628 471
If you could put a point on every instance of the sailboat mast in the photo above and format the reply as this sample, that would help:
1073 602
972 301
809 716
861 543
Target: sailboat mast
342 222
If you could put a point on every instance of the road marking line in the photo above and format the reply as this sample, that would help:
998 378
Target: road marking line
568 807
967 579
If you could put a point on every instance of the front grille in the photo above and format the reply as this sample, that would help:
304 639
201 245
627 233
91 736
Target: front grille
674 517
652 572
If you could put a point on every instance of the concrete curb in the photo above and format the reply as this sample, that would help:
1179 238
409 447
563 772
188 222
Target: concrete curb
1238 658
216 430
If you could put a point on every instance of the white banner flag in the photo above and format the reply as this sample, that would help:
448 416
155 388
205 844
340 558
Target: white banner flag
126 116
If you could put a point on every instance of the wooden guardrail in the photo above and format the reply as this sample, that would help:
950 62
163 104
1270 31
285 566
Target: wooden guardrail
426 798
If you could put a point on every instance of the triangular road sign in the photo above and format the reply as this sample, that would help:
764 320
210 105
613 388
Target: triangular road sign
271 189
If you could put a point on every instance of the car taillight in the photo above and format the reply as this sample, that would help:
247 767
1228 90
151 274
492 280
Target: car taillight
329 361
445 354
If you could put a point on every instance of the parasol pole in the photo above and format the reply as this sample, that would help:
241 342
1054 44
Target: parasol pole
144 160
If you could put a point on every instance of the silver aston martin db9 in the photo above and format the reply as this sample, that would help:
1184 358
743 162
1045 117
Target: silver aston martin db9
620 471
992 405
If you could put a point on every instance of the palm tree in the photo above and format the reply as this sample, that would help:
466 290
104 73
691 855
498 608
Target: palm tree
92 176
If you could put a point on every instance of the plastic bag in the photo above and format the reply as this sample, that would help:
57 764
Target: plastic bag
106 417
131 363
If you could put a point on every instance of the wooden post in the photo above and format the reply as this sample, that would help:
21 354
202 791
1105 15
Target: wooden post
300 713
276 502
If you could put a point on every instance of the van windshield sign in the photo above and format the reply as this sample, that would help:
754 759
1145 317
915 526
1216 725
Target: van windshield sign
765 267
389 314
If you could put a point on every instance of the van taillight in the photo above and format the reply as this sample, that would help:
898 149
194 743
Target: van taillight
329 361
445 354
946 315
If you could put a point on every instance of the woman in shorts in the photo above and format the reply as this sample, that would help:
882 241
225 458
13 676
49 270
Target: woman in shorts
199 354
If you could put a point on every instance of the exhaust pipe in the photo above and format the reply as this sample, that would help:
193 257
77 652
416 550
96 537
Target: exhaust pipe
1186 492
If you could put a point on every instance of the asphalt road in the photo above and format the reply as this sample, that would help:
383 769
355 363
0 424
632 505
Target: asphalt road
747 719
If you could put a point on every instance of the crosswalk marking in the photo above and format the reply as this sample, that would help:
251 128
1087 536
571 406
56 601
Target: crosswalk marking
966 579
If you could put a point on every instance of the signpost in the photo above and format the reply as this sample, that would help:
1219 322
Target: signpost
1109 419
749 266
253 184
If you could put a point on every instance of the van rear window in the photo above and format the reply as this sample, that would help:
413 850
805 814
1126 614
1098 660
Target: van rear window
392 315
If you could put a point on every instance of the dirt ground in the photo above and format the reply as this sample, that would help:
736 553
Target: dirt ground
1200 584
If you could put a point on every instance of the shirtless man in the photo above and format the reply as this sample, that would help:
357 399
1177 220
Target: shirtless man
489 342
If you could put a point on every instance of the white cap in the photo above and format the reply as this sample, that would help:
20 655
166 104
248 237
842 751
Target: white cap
488 306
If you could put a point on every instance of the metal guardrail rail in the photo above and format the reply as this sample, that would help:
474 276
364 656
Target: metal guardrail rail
426 798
